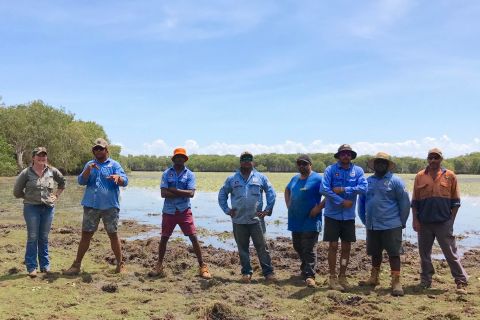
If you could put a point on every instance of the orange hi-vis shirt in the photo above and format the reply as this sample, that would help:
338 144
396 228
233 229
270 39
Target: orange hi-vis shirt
434 199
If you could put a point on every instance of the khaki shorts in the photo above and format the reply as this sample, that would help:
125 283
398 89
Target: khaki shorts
91 219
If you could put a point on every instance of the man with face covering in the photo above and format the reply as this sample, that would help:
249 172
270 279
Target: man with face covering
384 211
245 187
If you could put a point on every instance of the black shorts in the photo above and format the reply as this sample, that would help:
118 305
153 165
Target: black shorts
389 240
339 229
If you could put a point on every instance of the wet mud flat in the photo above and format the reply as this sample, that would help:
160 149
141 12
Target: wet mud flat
182 294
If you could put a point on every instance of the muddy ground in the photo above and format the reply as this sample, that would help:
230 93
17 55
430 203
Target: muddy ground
183 295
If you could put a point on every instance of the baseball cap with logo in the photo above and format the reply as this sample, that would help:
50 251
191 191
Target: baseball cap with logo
436 151
100 142
38 150
246 156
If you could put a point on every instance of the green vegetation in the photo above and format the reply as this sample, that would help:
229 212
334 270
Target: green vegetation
68 141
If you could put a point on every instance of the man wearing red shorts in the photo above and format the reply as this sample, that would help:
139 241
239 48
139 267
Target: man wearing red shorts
177 187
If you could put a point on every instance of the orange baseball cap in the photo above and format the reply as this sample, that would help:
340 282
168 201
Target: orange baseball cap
180 152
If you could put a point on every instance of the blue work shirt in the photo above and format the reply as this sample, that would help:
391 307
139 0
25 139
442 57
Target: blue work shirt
386 204
352 179
246 196
183 181
102 193
304 195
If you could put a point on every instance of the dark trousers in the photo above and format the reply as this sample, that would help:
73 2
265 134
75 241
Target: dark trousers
305 243
242 234
443 232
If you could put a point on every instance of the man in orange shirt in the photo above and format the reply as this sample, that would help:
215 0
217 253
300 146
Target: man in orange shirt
435 204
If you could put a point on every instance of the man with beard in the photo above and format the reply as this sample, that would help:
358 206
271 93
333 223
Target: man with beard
246 186
384 211
302 198
341 184
102 177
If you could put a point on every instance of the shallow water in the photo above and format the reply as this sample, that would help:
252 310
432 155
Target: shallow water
145 204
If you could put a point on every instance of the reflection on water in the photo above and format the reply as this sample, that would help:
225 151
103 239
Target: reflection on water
145 205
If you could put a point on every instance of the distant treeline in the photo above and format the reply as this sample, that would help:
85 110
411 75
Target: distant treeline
468 164
69 142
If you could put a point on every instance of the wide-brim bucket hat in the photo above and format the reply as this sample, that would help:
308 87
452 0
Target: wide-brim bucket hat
180 152
382 156
345 147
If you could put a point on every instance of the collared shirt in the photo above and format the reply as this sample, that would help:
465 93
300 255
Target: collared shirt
434 199
38 190
304 195
183 181
246 196
386 204
352 180
102 193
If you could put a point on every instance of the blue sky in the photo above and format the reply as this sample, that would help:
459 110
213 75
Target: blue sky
270 76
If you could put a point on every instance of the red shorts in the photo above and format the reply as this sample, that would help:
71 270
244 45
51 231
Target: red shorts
183 219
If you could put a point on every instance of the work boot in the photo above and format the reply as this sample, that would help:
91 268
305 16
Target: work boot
33 274
270 278
157 271
342 280
204 273
73 270
461 288
373 280
310 282
121 268
246 278
397 290
333 283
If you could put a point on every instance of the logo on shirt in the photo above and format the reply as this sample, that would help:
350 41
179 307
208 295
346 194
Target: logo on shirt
255 180
236 182
352 173
337 174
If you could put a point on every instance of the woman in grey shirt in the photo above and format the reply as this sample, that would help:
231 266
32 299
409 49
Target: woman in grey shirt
35 184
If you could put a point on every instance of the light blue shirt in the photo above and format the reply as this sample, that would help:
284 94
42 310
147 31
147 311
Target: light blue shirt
183 181
386 204
102 193
352 179
246 196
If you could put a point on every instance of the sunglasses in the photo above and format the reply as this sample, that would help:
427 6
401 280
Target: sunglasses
345 153
98 148
434 157
302 163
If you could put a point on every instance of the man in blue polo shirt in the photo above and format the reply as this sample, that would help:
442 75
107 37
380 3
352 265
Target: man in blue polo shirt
341 184
301 197
177 187
246 186
102 177
384 211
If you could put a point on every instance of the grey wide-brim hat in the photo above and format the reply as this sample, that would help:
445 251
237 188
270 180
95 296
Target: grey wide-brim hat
345 147
383 156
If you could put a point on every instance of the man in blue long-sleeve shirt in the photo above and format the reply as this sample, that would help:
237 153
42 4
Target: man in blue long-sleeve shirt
384 211
102 177
341 184
245 187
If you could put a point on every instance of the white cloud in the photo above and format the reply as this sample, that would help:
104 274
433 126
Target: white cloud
414 148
